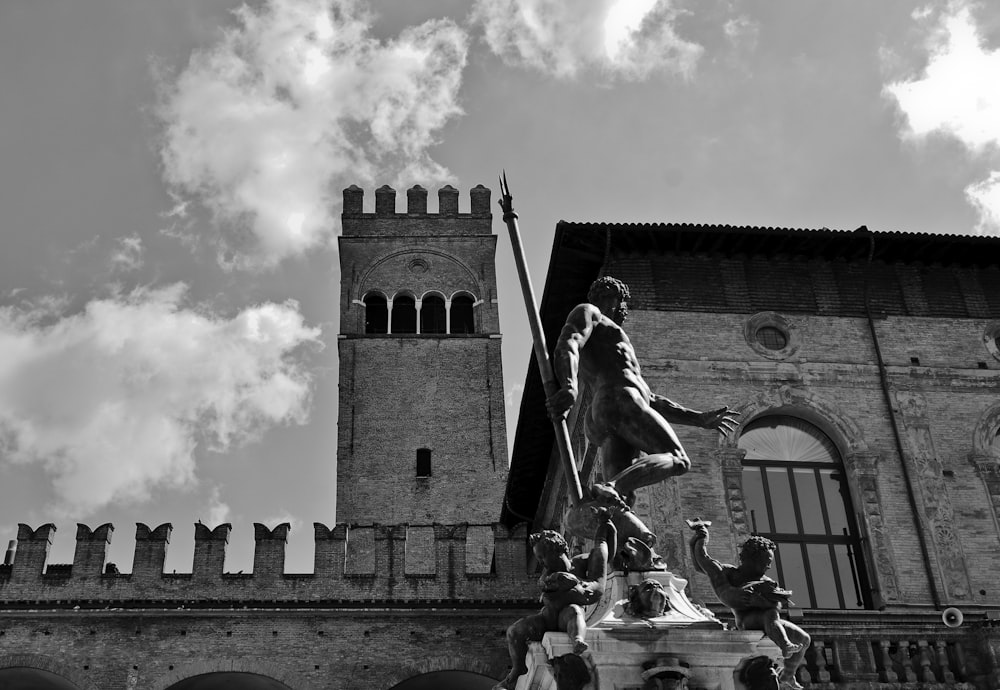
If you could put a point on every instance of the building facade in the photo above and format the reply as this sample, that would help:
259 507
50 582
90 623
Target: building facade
866 372
415 585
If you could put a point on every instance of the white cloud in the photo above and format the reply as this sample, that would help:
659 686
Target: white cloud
959 92
958 95
624 39
128 254
114 400
296 102
218 511
985 197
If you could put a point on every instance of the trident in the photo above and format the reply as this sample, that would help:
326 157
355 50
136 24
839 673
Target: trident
538 341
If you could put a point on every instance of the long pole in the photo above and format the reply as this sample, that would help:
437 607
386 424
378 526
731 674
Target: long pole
574 489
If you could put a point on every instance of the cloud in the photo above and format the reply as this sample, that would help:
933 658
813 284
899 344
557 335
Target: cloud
295 102
114 400
985 197
128 254
958 95
623 39
218 511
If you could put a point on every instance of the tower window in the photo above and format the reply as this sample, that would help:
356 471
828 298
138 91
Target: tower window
423 462
404 314
432 315
463 319
796 494
376 313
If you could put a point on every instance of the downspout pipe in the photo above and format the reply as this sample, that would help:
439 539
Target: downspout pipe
884 380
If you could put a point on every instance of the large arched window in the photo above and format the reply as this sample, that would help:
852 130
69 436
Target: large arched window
376 313
432 315
404 314
796 494
463 319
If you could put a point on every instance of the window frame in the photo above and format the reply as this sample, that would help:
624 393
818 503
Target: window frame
852 541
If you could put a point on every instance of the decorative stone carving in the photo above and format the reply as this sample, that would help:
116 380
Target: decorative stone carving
938 514
862 472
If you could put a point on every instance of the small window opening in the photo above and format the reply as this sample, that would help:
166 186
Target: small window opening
772 338
463 319
404 314
376 314
915 361
423 462
432 315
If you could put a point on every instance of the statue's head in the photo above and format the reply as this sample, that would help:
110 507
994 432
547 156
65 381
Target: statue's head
757 552
610 295
647 599
547 544
759 673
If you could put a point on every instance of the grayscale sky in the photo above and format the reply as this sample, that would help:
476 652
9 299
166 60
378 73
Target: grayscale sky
171 176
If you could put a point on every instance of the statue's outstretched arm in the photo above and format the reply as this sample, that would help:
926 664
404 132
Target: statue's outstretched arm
722 419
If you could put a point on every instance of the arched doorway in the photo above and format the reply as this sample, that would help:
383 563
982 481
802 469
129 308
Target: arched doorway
228 681
447 680
24 678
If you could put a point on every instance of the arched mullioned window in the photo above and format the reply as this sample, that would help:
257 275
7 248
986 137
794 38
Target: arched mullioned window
463 319
797 496
376 313
433 318
404 314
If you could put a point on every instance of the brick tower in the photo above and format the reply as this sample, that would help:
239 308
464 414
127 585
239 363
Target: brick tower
421 435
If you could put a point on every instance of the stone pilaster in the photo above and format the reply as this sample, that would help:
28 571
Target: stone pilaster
988 468
731 463
935 503
862 473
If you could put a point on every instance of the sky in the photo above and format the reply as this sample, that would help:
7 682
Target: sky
171 178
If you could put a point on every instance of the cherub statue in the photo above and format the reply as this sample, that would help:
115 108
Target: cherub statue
567 586
755 599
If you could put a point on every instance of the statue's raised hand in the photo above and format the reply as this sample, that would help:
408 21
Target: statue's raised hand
722 419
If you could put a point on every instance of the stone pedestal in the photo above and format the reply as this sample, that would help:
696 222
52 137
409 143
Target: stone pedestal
621 644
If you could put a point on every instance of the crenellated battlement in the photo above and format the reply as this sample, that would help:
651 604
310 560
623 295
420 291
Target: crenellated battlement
415 220
353 563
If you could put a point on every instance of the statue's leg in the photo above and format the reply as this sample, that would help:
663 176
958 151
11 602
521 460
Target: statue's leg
774 629
519 634
571 620
800 639
666 458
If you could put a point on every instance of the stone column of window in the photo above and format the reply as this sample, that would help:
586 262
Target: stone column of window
938 513
388 316
447 314
416 305
731 462
988 467
862 473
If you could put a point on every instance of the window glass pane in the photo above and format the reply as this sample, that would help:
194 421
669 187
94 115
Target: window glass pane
753 494
792 574
835 494
823 580
852 597
809 505
781 500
